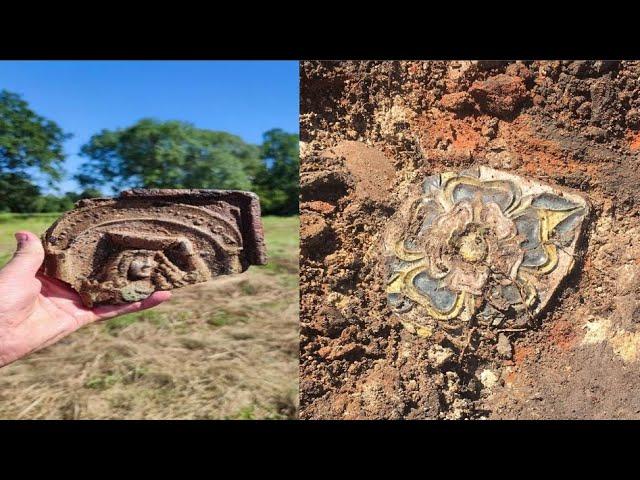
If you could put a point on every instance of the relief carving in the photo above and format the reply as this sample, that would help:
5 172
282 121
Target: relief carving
123 249
480 249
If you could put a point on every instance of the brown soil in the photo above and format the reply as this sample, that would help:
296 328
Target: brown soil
372 130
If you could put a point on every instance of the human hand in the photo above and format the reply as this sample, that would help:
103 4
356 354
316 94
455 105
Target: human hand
37 311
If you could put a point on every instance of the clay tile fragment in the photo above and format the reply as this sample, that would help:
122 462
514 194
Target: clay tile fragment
120 250
482 249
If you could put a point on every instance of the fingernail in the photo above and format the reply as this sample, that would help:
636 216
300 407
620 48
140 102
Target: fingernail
22 238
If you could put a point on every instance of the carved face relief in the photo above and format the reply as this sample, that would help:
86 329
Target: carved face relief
122 250
483 247
142 265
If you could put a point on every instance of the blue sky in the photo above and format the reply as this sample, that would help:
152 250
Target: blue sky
245 98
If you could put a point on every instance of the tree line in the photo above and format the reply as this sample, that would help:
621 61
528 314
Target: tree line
148 154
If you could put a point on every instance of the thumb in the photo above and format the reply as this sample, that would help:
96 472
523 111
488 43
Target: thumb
28 256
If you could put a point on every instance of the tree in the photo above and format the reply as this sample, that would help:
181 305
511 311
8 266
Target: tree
28 140
28 143
52 203
17 193
86 193
169 154
277 181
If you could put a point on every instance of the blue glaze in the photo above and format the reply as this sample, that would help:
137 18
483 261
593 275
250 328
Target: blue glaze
549 201
431 210
528 225
396 265
489 195
569 223
431 183
441 297
535 257
511 294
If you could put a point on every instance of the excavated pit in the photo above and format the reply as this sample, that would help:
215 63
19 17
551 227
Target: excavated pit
374 132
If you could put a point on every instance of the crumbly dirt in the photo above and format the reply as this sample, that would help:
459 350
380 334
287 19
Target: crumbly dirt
372 130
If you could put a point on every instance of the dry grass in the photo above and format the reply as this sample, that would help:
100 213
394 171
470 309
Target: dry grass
224 349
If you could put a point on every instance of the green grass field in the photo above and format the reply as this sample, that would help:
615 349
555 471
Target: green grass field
12 222
223 349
